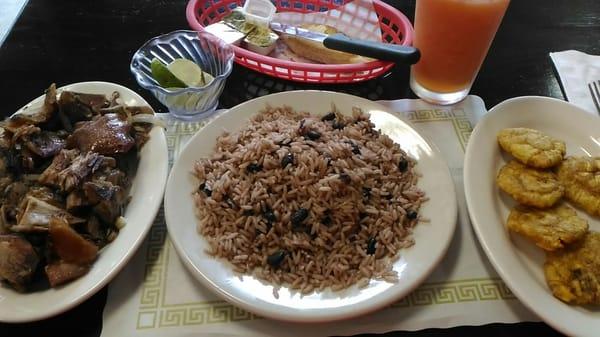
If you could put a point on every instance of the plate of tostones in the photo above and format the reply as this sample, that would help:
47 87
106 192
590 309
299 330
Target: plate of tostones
532 185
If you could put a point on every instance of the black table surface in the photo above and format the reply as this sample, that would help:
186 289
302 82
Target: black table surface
71 41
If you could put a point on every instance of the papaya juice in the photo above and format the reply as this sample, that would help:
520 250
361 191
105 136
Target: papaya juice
453 37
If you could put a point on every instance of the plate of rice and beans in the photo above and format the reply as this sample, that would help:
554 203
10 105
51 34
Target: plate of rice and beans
310 206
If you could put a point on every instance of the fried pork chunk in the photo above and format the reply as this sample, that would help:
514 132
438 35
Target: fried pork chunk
18 261
107 134
70 167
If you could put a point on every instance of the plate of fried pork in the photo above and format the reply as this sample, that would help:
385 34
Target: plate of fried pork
82 173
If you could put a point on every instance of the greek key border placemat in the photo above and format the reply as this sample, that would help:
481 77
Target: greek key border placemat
155 295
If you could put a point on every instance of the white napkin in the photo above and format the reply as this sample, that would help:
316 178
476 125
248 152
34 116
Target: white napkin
357 19
575 70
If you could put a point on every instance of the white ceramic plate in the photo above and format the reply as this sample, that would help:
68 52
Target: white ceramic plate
432 239
518 261
146 193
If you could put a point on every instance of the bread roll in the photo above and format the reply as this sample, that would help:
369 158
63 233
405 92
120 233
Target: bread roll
316 51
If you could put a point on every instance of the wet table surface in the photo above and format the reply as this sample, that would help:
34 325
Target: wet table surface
72 41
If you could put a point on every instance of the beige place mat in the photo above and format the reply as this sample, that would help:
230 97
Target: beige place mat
156 296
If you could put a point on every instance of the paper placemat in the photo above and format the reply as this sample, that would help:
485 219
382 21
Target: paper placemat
155 295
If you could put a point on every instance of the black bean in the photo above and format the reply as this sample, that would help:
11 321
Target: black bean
285 142
269 216
287 159
411 214
313 135
298 216
248 212
275 259
355 148
371 245
326 220
301 127
366 192
362 215
254 167
328 117
205 189
403 165
230 202
345 178
337 125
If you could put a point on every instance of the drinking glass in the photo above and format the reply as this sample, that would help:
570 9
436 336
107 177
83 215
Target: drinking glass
453 37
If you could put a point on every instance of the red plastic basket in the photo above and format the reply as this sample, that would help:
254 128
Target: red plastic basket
395 27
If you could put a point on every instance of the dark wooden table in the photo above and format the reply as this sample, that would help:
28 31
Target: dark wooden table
71 41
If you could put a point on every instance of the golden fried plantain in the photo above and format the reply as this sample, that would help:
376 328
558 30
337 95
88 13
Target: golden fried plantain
581 178
532 147
573 274
550 229
529 186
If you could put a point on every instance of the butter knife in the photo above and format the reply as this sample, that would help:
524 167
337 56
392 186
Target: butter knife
377 50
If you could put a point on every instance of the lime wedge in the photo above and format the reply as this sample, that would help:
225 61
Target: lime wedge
189 73
207 78
163 76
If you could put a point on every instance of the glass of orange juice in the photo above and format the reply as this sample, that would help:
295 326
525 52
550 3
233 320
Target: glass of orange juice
453 37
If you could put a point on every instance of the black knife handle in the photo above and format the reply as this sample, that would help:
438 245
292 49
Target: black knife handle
377 50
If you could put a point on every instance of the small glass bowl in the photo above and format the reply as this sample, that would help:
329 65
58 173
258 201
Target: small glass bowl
210 53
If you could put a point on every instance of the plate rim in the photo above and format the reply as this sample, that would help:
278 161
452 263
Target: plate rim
272 314
493 257
53 310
